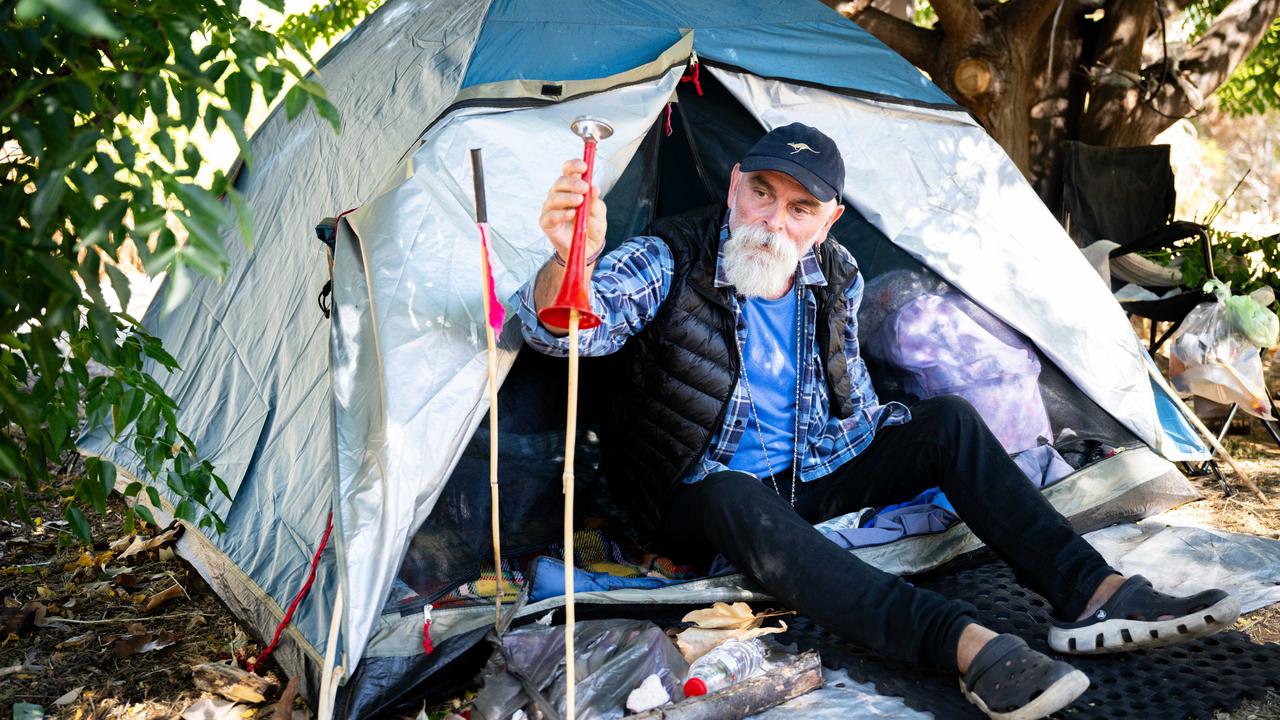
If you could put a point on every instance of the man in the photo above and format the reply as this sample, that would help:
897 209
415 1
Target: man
744 414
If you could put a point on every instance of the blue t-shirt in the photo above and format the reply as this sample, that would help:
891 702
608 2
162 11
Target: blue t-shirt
770 354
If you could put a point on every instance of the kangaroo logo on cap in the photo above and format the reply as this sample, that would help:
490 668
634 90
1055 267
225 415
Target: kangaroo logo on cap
797 147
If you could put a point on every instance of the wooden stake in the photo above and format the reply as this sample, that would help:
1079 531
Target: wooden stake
570 441
1208 435
493 449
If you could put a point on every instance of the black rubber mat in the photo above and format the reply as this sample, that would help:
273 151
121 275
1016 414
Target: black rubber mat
1190 680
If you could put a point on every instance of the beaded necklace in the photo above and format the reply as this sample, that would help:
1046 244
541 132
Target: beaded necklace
746 382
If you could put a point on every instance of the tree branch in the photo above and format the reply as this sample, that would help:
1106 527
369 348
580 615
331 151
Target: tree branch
959 18
1233 35
1025 17
918 45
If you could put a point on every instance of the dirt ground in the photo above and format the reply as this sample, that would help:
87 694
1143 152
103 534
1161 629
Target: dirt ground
110 633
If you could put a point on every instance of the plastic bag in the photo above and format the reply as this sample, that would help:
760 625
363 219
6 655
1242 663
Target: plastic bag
1251 316
613 658
1210 356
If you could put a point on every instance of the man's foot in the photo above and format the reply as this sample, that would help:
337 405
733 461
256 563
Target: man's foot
1009 681
1136 616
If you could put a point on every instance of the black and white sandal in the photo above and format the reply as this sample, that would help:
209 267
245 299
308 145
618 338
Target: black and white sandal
1131 619
1008 680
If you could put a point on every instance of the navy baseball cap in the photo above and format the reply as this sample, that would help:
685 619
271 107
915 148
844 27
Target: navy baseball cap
805 154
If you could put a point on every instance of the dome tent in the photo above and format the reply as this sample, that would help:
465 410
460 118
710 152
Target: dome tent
371 414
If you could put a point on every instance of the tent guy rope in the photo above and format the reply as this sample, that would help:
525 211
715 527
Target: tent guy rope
572 309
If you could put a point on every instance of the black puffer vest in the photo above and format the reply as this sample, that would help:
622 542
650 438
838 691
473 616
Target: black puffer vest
674 379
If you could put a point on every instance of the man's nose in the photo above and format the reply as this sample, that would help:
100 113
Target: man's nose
775 220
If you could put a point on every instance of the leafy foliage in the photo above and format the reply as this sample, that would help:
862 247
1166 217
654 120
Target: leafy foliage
326 21
1245 261
1254 87
101 104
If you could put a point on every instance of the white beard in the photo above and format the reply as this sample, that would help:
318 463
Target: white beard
759 263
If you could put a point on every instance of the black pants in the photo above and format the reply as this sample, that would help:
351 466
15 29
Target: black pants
946 444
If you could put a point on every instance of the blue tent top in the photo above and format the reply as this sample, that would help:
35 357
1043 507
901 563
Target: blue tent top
807 42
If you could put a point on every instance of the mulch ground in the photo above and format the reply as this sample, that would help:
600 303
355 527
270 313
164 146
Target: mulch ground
106 632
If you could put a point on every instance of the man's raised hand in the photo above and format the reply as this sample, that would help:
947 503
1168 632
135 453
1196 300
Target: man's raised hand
563 199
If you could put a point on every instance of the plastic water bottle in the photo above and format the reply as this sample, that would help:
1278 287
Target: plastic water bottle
730 662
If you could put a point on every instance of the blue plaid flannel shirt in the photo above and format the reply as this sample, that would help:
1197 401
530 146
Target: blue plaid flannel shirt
626 291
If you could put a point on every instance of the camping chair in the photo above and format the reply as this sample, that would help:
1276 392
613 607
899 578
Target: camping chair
1126 196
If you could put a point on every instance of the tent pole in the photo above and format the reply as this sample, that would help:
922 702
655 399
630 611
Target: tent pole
571 432
493 322
1208 435
329 671
493 470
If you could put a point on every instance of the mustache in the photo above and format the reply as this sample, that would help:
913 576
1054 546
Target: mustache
759 262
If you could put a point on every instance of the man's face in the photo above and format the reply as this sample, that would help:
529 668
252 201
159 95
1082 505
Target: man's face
773 223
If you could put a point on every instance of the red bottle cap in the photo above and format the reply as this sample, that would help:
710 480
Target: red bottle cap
695 686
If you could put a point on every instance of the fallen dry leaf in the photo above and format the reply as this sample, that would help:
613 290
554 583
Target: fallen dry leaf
724 615
695 642
19 620
140 641
69 697
162 597
121 543
140 545
719 623
166 554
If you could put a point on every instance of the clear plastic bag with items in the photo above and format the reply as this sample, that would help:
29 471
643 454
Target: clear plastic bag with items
1214 354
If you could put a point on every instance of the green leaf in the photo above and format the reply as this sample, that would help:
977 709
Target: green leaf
295 101
145 514
127 151
329 112
119 283
127 94
164 141
9 459
48 196
188 105
178 287
235 121
79 525
211 115
29 137
239 91
158 96
156 351
272 81
244 215
57 431
83 16
107 476
214 72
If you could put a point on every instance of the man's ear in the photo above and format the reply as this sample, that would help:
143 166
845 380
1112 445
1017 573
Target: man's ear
734 176
831 221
